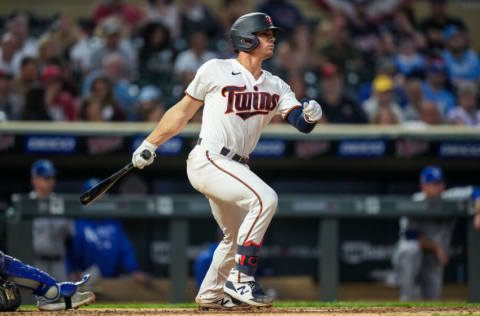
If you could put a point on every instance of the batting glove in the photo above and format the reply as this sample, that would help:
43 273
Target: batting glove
312 111
138 161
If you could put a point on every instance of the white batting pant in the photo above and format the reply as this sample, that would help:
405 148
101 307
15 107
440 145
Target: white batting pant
243 206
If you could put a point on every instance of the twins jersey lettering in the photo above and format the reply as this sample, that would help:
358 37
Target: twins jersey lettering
237 107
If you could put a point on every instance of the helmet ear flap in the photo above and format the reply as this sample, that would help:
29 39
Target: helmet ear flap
245 42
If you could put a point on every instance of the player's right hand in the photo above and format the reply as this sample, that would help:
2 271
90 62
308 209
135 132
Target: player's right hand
137 160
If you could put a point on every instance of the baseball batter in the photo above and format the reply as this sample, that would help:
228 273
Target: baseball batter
240 99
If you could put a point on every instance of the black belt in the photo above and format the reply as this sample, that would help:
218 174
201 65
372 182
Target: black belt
225 151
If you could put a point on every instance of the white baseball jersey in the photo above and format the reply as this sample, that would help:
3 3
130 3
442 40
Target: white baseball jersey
237 107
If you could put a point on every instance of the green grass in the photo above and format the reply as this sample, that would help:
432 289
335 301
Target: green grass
291 304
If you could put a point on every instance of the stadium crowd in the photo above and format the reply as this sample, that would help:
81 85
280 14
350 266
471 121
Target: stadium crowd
365 61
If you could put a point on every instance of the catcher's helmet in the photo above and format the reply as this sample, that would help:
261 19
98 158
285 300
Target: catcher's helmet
243 28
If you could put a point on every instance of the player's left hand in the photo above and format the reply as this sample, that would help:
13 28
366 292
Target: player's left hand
312 111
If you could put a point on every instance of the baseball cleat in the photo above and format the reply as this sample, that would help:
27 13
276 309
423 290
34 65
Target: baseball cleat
78 299
248 292
226 302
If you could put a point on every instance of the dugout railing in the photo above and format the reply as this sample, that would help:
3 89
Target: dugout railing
179 209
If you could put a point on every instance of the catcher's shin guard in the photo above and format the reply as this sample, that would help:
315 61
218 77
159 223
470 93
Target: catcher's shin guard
30 277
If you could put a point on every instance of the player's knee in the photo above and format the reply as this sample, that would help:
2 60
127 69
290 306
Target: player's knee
229 238
270 201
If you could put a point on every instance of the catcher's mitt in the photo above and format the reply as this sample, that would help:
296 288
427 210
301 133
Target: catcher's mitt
10 298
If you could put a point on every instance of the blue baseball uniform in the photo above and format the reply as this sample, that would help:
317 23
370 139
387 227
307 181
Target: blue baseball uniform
102 243
419 271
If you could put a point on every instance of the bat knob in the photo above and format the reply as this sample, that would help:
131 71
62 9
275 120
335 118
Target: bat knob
146 154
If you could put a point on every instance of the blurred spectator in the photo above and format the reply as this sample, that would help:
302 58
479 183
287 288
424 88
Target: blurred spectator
50 234
414 95
337 106
382 97
65 34
295 54
113 69
434 25
374 10
70 83
28 75
10 102
188 62
111 43
387 46
101 247
422 250
195 16
384 66
48 49
91 110
156 55
59 103
408 60
466 112
285 14
128 13
462 63
26 44
430 113
232 10
298 85
101 104
34 108
80 52
434 87
150 108
165 12
8 51
403 25
339 50
385 116
363 29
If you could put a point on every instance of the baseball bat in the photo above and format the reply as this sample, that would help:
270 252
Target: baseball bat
95 192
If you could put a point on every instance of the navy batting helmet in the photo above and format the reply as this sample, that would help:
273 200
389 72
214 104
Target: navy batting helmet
243 29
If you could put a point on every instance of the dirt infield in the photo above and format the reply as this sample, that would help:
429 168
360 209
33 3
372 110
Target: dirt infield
343 311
